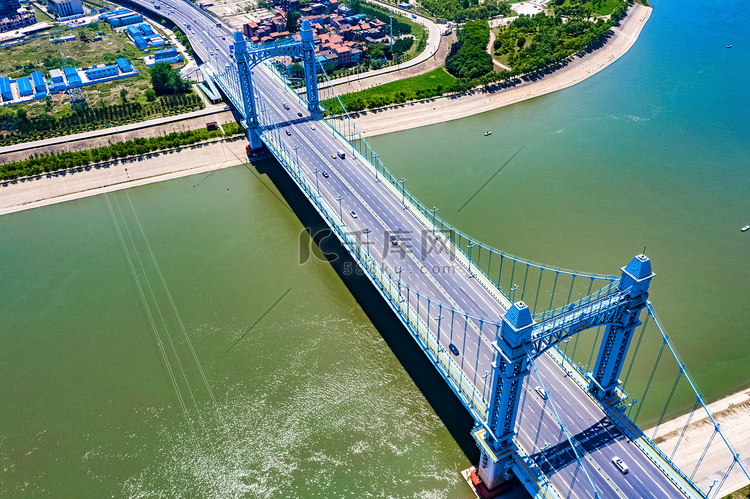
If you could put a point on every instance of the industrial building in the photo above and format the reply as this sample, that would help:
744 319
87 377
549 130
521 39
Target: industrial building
125 19
24 87
143 36
5 91
37 87
65 9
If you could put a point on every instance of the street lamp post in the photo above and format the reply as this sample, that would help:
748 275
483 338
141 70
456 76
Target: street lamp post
339 200
438 319
403 181
317 185
367 234
433 211
566 341
514 288
375 159
296 155
400 269
469 248
630 406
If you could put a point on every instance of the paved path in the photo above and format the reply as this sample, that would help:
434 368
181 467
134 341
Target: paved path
111 130
491 50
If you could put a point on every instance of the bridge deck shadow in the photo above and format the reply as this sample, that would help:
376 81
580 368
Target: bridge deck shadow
595 437
436 391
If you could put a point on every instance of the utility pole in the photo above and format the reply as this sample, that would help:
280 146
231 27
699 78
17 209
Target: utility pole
391 10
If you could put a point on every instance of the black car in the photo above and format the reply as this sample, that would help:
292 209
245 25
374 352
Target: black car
325 174
394 240
299 114
288 132
453 349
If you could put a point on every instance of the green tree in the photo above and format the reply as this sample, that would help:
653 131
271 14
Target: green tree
124 94
291 21
165 80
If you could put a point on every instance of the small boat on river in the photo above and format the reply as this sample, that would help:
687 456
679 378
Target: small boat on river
487 133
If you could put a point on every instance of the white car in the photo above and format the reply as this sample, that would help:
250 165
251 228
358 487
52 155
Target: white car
620 465
540 391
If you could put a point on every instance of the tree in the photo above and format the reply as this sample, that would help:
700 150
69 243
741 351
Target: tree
165 80
521 42
291 21
124 94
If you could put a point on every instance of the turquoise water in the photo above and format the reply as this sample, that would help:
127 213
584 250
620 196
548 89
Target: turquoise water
221 367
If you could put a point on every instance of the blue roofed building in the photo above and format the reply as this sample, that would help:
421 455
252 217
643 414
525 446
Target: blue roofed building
99 72
167 55
124 65
71 74
145 29
38 80
125 19
24 87
5 91
117 12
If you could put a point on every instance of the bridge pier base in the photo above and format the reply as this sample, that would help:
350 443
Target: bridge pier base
494 465
253 139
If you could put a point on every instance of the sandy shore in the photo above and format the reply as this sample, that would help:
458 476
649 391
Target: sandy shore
732 413
415 115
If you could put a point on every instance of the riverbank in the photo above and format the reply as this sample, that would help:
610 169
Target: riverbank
418 114
732 413
117 175
66 186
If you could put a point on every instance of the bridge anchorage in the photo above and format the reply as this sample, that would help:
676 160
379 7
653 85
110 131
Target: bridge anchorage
521 340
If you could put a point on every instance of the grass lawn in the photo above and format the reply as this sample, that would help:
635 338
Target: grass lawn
602 7
740 494
436 81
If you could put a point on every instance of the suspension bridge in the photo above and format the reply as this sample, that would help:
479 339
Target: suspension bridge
496 327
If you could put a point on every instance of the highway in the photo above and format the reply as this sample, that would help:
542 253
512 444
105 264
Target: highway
364 202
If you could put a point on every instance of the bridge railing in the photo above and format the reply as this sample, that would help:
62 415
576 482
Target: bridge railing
542 287
415 309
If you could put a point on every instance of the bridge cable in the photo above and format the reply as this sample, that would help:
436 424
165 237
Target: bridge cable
563 428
